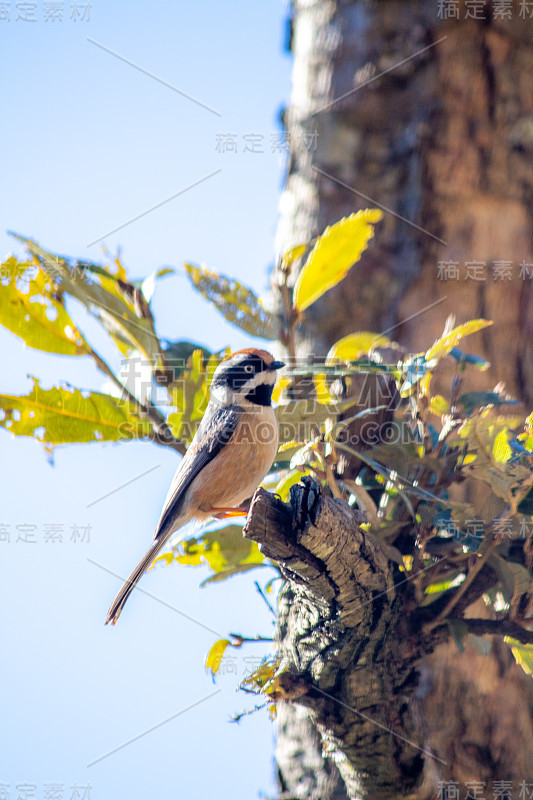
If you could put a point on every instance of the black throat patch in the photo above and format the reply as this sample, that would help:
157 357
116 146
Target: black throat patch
261 395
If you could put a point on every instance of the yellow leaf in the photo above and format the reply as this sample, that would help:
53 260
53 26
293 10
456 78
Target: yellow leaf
193 556
438 405
523 654
291 479
501 450
30 309
355 345
288 258
446 343
62 415
216 654
424 384
322 389
167 558
289 446
129 327
408 563
279 388
335 252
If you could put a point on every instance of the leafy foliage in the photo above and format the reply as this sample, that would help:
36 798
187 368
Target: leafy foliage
29 309
64 415
118 305
224 550
238 304
445 485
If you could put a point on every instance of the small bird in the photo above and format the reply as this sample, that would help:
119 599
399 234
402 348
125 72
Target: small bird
232 450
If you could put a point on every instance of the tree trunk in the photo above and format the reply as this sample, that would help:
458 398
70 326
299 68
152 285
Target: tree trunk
398 712
442 141
431 120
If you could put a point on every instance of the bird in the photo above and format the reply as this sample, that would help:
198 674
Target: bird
231 452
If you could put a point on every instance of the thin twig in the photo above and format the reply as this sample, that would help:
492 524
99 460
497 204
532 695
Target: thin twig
162 433
265 598
472 574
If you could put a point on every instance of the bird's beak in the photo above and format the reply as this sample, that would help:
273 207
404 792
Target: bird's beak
276 365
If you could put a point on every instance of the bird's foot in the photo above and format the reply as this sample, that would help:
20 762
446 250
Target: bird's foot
227 513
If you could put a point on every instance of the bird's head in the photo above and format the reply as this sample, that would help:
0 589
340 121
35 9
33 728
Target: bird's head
247 375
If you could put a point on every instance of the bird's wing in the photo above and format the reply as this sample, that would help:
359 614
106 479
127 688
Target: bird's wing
215 431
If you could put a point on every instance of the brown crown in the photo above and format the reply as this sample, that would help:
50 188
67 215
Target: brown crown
253 351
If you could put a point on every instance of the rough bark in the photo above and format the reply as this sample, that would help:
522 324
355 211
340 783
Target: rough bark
443 141
395 719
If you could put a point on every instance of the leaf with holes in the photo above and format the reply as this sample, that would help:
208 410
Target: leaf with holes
118 305
238 304
29 309
63 415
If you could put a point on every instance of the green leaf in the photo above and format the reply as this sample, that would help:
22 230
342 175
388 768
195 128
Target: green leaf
236 302
217 577
468 358
436 590
470 401
335 252
514 578
286 451
64 415
297 419
30 310
526 505
447 342
483 434
215 655
459 631
178 353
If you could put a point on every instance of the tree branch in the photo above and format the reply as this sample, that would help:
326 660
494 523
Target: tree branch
161 434
347 653
497 627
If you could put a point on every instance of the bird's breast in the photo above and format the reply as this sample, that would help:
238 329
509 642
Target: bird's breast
238 469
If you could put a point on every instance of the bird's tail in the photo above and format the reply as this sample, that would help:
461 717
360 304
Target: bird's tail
120 600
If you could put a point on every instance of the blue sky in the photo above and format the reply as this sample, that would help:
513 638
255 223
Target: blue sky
89 142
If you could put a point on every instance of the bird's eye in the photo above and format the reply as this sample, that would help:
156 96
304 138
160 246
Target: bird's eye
248 368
